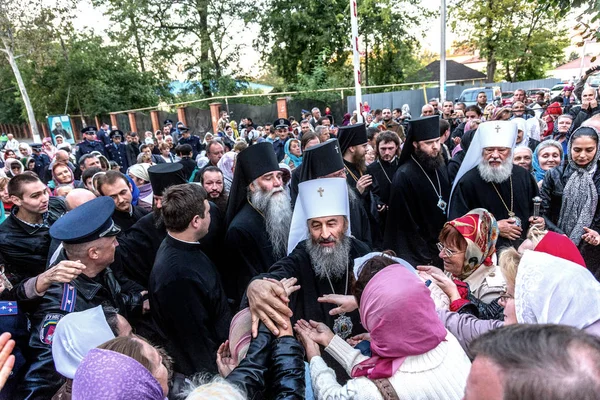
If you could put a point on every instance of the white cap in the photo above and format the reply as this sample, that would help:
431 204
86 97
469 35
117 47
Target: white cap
489 134
318 198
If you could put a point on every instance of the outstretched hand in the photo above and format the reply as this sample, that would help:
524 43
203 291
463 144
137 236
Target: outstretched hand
268 302
225 361
591 236
317 331
7 360
345 303
289 284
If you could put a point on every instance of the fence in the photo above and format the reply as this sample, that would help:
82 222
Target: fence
416 98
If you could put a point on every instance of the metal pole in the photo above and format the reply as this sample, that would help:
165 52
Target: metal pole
443 53
356 58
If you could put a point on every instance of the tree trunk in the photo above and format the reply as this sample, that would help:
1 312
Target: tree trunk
138 43
204 47
30 114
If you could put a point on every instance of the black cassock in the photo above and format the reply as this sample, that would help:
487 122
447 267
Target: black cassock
473 192
250 251
126 220
188 305
414 219
383 173
369 204
303 303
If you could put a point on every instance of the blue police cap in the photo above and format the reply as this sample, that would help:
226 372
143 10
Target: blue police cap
86 223
88 129
281 123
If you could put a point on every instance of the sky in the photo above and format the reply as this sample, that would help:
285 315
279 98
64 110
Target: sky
92 18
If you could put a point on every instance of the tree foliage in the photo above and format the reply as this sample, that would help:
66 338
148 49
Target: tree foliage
521 36
305 39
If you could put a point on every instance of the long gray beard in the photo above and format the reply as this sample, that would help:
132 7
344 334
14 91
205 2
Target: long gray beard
496 174
327 261
277 209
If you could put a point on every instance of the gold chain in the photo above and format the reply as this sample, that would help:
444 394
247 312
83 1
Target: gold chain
351 174
510 211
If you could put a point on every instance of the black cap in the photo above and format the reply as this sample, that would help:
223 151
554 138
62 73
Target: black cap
168 121
281 123
183 128
251 163
418 130
321 160
116 132
86 223
163 176
88 130
36 146
352 135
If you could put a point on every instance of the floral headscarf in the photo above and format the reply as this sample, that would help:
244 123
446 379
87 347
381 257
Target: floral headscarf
480 229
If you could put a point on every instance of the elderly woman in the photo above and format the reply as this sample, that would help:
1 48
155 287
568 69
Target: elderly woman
48 148
467 245
523 157
551 243
570 195
523 138
76 334
547 155
123 368
139 175
540 289
405 355
227 165
13 167
293 154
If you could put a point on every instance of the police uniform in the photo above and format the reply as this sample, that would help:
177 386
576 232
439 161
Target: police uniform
85 223
193 141
279 145
86 147
118 152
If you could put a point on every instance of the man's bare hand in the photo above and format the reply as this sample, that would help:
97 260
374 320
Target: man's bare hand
268 303
63 272
7 360
363 183
509 229
345 303
289 284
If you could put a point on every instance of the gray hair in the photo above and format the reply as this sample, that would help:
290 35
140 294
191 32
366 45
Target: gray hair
320 128
205 387
549 143
543 362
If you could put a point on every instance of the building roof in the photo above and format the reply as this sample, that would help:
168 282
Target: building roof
587 63
454 71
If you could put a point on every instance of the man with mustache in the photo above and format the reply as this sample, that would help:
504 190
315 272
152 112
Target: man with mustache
257 219
212 181
322 262
487 179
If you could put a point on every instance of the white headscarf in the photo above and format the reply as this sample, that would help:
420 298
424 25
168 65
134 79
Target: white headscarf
140 171
552 290
522 126
76 334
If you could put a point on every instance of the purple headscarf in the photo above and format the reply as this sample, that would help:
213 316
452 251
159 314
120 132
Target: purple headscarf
390 304
105 374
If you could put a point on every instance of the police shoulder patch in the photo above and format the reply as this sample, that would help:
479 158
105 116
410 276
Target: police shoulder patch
48 326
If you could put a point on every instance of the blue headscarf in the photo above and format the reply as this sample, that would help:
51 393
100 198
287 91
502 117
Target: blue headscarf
290 157
538 172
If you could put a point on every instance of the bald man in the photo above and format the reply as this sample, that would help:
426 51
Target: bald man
427 110
74 199
77 197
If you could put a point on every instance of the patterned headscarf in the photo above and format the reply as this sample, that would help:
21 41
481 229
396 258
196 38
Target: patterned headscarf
105 374
480 229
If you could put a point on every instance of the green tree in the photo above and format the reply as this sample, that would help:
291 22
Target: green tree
522 36
588 18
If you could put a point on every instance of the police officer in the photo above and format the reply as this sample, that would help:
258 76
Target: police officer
41 160
117 151
192 140
88 234
89 143
283 133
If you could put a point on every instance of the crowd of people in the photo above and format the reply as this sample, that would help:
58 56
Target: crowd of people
447 256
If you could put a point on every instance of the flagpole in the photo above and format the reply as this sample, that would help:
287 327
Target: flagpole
356 58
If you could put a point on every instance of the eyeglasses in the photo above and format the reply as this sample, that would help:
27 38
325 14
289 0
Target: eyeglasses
447 251
503 298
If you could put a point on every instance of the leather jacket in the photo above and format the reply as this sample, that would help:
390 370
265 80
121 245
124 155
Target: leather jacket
41 380
280 361
24 248
552 192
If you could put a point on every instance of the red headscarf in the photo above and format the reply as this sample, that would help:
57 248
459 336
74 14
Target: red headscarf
560 246
397 310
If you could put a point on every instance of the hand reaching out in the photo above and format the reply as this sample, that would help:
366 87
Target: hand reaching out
354 340
442 280
317 331
591 236
345 303
7 360
289 284
225 361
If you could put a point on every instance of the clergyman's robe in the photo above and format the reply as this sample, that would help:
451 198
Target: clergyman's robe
473 192
414 219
